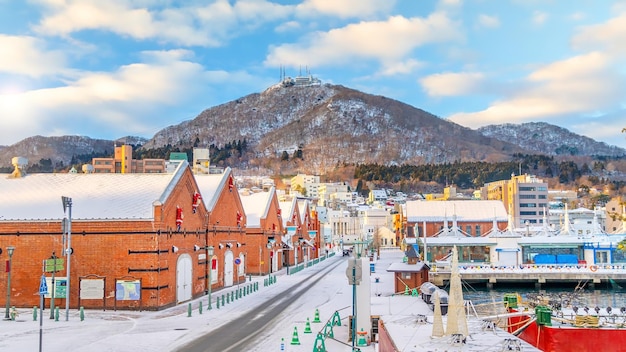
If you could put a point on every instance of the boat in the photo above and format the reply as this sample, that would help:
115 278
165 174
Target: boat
555 328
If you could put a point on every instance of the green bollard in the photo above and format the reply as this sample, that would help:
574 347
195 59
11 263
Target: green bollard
82 314
56 314
232 296
227 298
274 278
200 307
218 303
189 310
222 300
35 313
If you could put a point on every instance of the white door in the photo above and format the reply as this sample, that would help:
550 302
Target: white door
183 278
228 268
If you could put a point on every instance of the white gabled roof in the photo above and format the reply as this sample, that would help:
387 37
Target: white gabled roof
465 210
210 184
287 209
94 196
256 207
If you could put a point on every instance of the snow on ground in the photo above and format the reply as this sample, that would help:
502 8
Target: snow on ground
172 328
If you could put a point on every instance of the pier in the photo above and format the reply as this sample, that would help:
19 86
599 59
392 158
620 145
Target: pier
591 276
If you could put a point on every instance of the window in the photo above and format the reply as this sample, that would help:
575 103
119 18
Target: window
527 196
528 189
542 196
468 229
527 205
527 213
478 233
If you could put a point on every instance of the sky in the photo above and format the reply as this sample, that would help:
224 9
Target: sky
109 69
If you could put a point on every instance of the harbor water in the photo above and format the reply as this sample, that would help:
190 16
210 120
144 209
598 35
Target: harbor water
565 296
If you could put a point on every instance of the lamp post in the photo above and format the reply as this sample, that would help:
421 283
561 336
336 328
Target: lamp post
210 251
67 204
10 250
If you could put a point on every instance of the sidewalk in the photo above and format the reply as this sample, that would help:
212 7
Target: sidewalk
163 330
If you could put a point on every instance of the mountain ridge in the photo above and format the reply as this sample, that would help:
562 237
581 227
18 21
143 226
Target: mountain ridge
331 125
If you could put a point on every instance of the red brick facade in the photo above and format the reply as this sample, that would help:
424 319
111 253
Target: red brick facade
147 250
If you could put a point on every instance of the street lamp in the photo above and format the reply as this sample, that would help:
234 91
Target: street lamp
67 206
210 251
10 250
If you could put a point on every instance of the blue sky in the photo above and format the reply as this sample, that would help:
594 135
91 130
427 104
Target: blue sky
108 69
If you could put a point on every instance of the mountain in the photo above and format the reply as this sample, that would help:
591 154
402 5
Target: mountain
61 150
544 138
332 125
328 125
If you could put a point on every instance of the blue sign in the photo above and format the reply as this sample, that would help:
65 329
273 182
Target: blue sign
43 286
237 261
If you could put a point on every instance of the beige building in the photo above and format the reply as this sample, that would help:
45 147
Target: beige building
615 216
525 198
123 163
309 183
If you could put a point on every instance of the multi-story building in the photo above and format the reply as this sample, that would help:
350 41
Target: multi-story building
333 192
525 198
123 163
309 183
615 216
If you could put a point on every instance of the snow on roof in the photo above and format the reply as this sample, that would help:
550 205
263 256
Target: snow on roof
407 268
287 208
209 184
256 206
465 210
94 196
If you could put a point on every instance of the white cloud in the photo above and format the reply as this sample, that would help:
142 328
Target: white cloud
28 56
577 16
201 25
401 68
98 103
345 8
288 27
452 84
582 84
488 21
389 42
606 36
539 17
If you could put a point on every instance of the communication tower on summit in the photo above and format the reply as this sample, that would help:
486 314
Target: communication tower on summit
300 80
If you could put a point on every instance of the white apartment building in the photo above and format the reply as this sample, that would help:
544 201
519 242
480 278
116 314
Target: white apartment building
310 183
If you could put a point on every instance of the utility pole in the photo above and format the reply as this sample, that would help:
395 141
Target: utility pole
67 207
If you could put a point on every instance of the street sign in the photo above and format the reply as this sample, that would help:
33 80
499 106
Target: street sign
43 286
53 265
237 261
354 276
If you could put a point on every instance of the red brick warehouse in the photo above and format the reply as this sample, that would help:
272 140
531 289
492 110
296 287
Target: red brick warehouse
138 240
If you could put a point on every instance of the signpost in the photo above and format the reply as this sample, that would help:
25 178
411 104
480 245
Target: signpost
354 272
237 262
53 265
43 290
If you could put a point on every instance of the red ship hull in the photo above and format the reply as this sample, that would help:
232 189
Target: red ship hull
565 338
